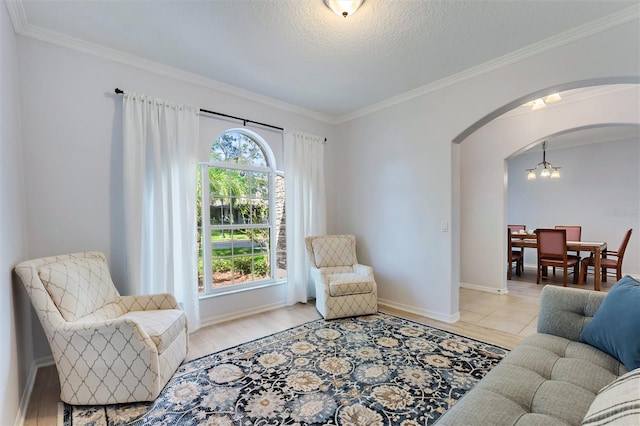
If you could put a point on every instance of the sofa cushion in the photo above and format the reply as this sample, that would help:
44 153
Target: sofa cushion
545 380
161 326
78 286
614 328
617 403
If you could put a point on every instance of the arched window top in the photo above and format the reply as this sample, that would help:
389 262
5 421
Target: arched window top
242 146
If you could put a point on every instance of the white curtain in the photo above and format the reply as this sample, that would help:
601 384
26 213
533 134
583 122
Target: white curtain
160 159
305 207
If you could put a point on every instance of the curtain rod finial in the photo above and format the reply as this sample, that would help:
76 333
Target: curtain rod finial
119 91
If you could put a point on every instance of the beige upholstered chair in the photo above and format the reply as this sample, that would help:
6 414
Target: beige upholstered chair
107 348
344 288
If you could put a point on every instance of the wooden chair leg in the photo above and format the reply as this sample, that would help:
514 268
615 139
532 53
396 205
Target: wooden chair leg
509 270
576 268
564 277
603 274
538 274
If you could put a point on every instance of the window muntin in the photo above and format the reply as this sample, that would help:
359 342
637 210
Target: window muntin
244 218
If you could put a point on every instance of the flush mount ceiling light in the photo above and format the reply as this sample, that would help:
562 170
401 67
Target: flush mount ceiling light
542 102
344 7
547 168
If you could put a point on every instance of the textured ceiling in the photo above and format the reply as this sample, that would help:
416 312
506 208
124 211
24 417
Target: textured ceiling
301 53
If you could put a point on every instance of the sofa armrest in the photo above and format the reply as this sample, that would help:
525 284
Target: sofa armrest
565 311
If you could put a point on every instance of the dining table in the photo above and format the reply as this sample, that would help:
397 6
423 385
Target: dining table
598 248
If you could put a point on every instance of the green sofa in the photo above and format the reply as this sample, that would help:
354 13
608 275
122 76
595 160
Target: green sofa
550 378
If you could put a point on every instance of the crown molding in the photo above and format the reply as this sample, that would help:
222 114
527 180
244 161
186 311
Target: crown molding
591 28
23 28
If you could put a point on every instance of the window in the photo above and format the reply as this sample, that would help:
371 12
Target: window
241 223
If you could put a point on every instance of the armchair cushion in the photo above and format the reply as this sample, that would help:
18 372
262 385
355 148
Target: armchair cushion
614 327
349 283
338 250
78 286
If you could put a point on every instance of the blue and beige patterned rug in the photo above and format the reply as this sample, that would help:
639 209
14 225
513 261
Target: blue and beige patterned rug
371 370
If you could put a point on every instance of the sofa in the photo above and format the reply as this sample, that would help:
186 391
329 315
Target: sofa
553 377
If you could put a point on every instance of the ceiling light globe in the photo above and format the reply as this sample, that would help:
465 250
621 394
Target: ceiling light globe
555 173
545 172
344 7
531 175
554 97
538 104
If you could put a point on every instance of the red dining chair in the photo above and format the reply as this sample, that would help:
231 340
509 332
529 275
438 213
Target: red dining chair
517 229
552 251
574 233
514 256
607 262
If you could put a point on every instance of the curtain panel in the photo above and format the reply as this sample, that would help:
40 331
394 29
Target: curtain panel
160 141
305 208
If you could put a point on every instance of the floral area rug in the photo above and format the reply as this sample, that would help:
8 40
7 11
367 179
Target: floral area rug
370 370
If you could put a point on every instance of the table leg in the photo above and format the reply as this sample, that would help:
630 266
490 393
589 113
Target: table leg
596 272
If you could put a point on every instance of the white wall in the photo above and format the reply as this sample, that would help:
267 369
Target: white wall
16 353
73 145
484 174
599 189
394 182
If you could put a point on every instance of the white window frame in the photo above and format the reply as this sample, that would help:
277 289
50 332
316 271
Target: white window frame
209 290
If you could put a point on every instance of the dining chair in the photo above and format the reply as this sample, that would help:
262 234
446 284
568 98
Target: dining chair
517 228
574 233
552 251
606 262
514 256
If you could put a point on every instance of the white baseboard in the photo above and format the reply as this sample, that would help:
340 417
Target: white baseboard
204 322
486 289
28 389
419 311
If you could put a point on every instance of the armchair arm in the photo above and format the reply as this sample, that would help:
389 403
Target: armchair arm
148 302
565 311
365 270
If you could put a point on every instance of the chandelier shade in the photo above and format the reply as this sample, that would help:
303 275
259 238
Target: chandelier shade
548 169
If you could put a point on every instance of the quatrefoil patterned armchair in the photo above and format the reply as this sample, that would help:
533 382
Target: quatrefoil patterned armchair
107 348
344 288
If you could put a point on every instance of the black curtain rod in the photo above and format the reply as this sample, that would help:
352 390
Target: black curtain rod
244 120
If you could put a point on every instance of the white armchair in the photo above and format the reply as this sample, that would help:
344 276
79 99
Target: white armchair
107 348
344 288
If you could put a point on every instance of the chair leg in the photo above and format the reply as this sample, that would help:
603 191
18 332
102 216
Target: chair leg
509 268
583 268
538 274
576 268
564 277
619 273
603 274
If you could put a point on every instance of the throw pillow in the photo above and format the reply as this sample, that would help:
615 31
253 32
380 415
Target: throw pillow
617 403
614 328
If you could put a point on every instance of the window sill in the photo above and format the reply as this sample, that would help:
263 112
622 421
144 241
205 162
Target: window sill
233 290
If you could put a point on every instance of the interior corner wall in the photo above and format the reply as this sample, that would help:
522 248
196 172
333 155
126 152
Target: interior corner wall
72 133
16 354
392 181
484 172
599 189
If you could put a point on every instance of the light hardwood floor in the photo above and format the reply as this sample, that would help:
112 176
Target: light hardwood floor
500 319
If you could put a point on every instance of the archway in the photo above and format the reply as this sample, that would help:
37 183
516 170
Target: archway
480 200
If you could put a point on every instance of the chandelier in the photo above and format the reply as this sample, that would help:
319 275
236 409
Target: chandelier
548 170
